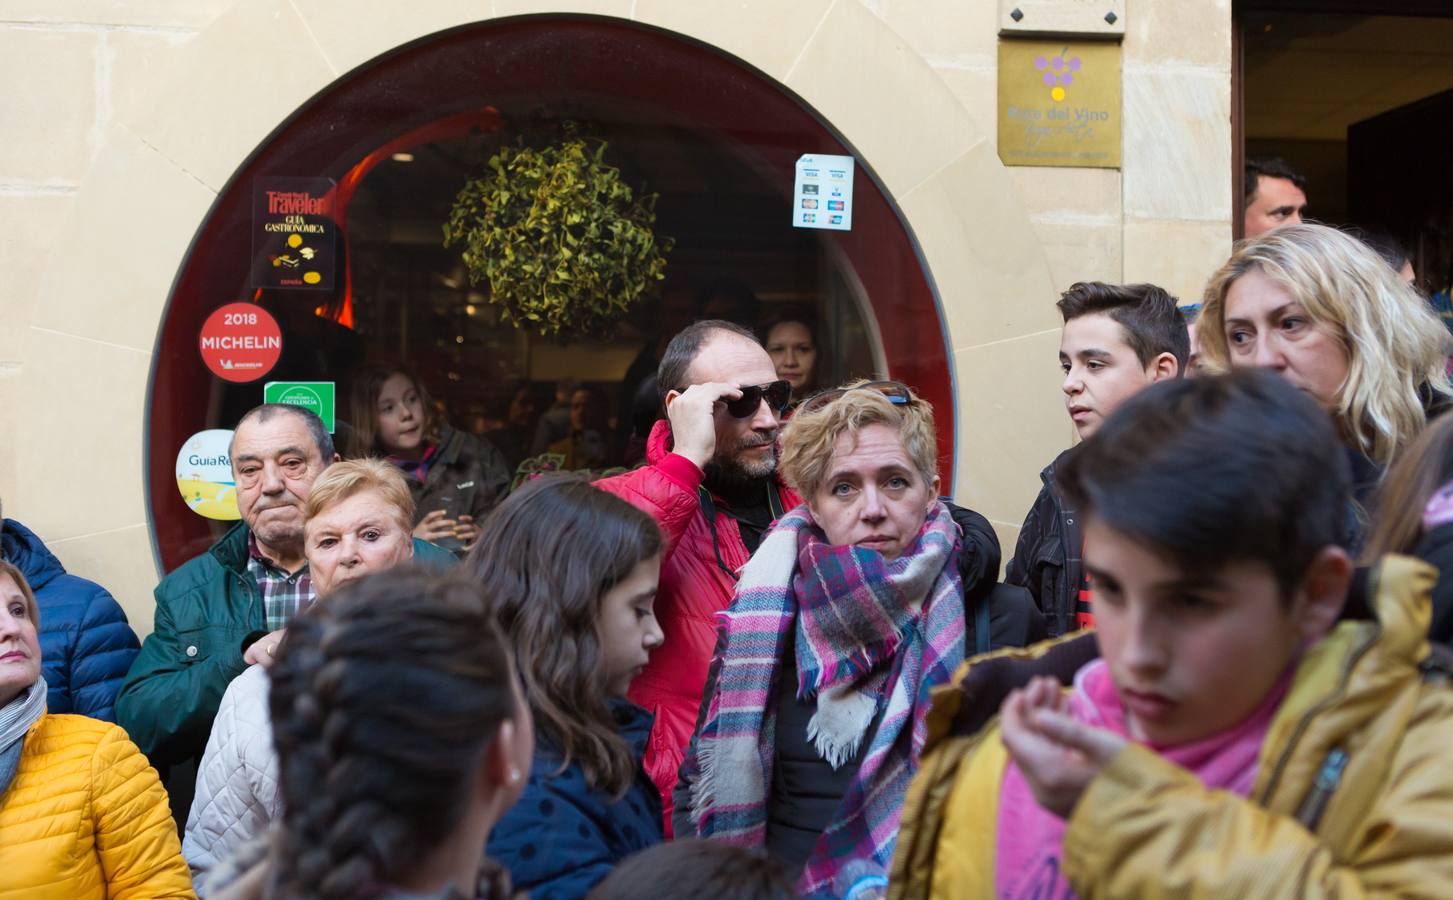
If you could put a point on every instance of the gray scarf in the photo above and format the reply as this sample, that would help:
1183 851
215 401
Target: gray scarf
16 717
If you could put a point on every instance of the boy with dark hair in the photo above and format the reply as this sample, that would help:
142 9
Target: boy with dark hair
1117 340
1248 719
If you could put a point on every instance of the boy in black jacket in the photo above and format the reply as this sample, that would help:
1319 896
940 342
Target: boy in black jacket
1117 340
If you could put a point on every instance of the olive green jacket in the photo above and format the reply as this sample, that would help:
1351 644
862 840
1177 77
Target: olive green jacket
207 612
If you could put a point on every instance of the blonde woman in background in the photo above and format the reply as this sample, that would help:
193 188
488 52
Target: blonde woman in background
1324 311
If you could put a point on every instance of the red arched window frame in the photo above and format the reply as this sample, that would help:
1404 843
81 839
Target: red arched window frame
464 73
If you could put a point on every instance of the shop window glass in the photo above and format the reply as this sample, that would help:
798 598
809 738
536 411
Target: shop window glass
716 140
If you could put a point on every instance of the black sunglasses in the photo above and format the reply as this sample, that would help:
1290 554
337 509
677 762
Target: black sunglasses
776 393
897 393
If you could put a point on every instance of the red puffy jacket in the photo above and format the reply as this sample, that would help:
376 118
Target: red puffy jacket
693 590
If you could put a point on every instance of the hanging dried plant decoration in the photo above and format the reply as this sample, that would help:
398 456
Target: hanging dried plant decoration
565 245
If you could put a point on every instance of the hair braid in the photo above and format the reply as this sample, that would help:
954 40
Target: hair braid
383 699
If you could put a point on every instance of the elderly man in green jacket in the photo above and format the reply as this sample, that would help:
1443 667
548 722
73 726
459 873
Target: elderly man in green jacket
227 608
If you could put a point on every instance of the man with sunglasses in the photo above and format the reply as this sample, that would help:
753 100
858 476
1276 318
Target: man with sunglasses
710 481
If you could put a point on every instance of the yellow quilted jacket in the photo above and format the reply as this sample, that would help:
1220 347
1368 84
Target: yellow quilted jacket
1146 828
86 817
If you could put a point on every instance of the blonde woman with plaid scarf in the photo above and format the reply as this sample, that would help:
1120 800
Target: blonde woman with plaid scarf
850 612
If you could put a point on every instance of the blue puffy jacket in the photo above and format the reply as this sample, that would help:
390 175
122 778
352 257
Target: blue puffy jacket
85 644
561 838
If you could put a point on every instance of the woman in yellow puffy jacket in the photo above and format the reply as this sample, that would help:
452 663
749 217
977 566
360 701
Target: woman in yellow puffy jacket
1249 718
82 813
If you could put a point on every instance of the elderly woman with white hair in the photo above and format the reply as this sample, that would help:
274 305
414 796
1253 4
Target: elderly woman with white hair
856 599
357 520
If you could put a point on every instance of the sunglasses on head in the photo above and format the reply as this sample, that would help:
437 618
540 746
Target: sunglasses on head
776 393
897 394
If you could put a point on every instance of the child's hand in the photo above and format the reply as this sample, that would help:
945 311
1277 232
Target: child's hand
466 530
1057 755
434 526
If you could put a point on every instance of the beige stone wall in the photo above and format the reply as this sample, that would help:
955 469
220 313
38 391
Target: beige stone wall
68 70
122 120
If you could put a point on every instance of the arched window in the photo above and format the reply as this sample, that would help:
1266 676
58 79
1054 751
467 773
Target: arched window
715 139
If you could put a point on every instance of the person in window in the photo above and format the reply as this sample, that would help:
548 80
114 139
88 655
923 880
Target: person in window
585 447
513 436
83 816
455 477
87 642
356 520
1322 310
856 599
570 573
790 338
554 423
401 739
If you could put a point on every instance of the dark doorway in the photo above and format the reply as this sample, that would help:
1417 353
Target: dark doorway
1347 92
1399 182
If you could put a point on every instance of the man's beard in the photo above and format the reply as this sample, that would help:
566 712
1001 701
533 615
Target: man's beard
732 470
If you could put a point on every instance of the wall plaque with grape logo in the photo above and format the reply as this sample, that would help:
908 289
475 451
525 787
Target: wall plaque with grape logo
293 233
1059 103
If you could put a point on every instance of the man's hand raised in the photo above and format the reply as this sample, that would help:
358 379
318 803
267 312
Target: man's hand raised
693 423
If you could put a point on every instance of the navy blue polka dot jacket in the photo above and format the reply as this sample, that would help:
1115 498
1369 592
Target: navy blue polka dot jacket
562 838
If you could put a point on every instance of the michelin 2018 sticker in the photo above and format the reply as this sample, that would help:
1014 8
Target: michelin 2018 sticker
204 475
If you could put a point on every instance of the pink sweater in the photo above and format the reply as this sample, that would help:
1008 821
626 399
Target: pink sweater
1029 843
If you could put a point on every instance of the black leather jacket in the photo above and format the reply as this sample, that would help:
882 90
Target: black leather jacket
1047 559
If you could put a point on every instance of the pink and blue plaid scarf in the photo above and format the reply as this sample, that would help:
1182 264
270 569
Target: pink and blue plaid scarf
874 638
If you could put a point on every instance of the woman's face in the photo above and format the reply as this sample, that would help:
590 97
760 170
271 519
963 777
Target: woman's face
1266 327
793 354
873 496
353 537
627 626
19 646
400 415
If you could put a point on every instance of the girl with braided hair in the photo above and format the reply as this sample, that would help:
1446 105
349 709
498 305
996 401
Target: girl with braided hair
570 573
402 738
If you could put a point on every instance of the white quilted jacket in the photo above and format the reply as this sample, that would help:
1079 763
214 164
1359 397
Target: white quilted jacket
237 793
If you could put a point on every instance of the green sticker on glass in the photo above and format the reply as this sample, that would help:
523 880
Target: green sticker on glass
316 396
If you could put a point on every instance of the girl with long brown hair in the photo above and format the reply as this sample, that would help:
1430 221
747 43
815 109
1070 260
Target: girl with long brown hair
570 573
